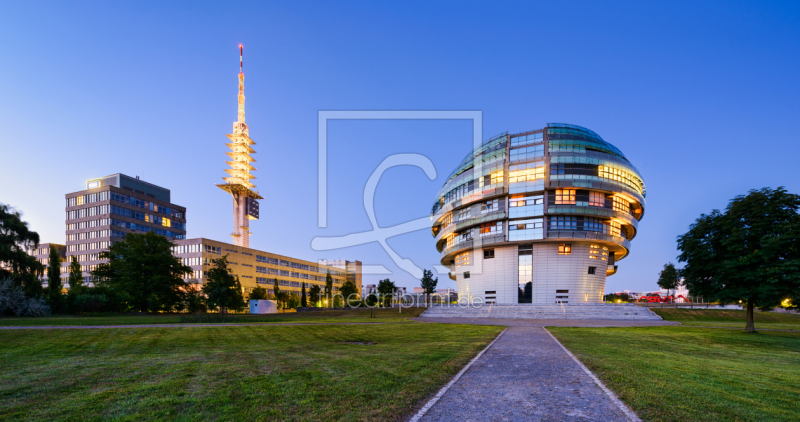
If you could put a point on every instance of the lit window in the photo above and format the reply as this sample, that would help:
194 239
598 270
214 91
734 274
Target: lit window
564 249
565 196
597 199
620 176
525 174
615 229
621 204
497 177
491 228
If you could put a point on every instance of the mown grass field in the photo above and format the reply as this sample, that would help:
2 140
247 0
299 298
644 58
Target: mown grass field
356 315
729 318
694 374
305 373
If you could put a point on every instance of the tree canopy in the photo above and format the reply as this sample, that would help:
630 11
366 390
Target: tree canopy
386 290
428 283
15 262
749 252
258 293
223 289
347 290
54 285
75 279
329 287
314 292
143 267
669 278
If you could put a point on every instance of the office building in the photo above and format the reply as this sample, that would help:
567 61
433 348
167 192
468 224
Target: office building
352 270
258 268
541 216
111 207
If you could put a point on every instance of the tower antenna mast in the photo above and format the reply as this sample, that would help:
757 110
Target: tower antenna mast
238 184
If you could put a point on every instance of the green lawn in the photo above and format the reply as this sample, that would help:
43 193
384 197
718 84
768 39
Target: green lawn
306 373
358 315
729 318
694 374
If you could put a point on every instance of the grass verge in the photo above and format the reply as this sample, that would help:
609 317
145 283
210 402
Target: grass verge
729 318
308 373
694 374
356 315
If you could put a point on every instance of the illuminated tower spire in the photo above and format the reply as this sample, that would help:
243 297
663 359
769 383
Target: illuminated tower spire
245 204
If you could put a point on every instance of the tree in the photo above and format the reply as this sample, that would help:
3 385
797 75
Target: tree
292 301
223 289
669 278
54 286
428 282
75 279
195 300
348 289
276 290
142 267
386 290
314 292
303 301
259 293
749 252
329 288
15 262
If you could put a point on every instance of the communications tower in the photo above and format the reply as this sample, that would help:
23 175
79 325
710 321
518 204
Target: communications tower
245 197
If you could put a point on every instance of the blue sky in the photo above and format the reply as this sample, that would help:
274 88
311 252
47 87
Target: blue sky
703 98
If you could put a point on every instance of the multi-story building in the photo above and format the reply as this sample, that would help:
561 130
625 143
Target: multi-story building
42 254
352 270
538 217
113 206
256 268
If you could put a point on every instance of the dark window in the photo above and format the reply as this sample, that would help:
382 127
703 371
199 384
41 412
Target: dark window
488 253
466 274
592 270
562 291
491 292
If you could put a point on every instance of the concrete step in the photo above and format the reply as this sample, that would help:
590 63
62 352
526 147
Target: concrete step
538 311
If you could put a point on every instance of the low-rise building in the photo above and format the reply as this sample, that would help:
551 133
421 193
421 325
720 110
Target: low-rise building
256 268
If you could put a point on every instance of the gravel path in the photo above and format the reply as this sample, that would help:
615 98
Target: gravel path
526 376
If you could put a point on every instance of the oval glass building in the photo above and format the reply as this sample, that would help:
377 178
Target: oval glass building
542 216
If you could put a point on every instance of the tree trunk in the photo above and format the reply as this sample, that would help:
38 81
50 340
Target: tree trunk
750 328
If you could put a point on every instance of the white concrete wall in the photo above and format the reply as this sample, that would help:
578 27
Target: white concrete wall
550 272
498 274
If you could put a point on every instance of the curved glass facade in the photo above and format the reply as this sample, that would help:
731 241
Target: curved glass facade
539 216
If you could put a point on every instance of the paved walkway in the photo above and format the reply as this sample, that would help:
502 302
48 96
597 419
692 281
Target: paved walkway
526 376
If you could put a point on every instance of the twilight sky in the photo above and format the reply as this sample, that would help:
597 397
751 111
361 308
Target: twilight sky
703 98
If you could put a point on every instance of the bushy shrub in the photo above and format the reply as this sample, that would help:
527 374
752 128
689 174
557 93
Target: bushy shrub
90 302
97 299
13 301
